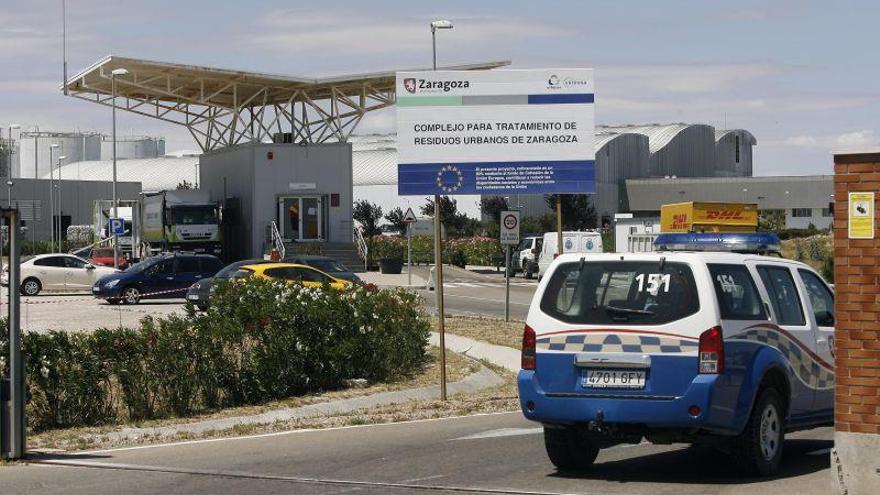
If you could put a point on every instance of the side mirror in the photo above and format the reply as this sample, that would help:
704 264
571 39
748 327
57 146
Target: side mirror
89 266
825 318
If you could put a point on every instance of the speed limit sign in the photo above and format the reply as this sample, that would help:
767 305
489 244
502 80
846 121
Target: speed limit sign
510 227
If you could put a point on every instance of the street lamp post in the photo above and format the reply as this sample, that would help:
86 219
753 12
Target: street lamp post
9 163
60 208
52 149
438 255
113 74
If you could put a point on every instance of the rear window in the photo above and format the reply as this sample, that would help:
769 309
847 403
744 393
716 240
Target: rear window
621 293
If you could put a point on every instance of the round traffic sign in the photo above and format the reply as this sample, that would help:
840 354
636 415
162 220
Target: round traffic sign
510 222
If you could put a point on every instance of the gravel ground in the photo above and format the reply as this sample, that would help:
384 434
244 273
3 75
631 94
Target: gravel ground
491 330
84 312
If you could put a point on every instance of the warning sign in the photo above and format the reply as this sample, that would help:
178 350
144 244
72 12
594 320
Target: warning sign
861 215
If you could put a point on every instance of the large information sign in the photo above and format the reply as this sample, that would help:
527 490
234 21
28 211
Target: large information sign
495 132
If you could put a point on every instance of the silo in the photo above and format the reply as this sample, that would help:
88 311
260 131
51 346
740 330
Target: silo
132 147
74 145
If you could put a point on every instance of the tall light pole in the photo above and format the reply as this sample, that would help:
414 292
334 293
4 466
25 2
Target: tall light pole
52 149
60 208
113 74
438 249
11 150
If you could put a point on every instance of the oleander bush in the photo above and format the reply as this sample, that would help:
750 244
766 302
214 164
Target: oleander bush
462 251
259 341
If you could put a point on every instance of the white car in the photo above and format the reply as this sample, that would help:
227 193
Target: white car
57 272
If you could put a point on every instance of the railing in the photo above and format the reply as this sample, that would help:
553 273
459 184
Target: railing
108 241
278 241
363 251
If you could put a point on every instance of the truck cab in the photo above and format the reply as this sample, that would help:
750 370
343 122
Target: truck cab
706 342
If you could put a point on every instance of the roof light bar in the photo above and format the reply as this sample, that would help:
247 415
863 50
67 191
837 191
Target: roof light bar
756 243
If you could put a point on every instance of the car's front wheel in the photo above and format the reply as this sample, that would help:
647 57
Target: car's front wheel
759 447
31 287
569 450
131 295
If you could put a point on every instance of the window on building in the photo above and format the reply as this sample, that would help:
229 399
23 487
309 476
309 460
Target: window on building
801 212
737 149
827 212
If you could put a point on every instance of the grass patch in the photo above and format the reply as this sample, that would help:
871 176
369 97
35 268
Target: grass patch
83 438
491 330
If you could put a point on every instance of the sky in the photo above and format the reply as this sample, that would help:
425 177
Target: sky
800 75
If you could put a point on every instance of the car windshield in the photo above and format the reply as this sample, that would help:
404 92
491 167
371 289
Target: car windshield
327 265
141 265
194 215
229 270
621 292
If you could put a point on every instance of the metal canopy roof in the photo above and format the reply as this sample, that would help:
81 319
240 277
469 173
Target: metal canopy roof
222 107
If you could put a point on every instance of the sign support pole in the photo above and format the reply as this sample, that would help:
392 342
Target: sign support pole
507 284
16 428
409 253
438 285
559 224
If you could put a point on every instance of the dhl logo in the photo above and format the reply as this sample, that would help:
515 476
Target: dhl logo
680 221
724 214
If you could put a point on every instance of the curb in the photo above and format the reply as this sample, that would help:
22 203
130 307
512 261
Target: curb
482 379
499 355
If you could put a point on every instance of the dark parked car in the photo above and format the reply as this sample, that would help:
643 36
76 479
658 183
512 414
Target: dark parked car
327 265
164 276
199 293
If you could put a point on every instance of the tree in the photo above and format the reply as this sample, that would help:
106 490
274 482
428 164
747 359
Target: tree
185 185
538 225
577 211
493 206
395 218
368 215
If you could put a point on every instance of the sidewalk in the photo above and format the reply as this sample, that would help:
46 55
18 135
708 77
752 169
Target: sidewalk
505 357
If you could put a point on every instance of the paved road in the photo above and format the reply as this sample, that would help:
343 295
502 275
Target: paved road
484 295
480 454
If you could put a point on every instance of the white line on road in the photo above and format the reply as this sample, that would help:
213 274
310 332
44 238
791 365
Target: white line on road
289 432
503 432
485 300
291 479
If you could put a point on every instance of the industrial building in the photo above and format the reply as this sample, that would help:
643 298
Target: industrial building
35 153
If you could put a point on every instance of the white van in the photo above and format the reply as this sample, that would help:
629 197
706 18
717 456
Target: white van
572 242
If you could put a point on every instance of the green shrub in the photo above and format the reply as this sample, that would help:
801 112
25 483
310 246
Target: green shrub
260 340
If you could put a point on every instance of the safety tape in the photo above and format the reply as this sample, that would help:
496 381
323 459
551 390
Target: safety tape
148 294
85 297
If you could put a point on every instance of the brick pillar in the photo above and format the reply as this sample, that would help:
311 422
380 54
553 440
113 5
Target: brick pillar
855 460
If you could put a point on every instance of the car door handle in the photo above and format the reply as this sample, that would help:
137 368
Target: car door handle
169 278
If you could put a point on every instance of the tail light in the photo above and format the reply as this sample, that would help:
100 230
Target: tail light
711 352
528 348
556 255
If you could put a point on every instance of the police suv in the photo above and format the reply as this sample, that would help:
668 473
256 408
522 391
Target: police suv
705 341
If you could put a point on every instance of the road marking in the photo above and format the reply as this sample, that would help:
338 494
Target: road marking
820 452
291 479
503 432
289 432
424 478
486 300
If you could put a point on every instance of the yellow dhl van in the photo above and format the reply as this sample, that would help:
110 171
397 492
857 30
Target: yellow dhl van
707 216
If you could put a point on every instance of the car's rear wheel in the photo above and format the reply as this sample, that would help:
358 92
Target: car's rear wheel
568 450
131 295
31 287
759 447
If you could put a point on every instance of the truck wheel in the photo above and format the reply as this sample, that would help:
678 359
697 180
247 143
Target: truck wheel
131 295
31 287
568 450
758 448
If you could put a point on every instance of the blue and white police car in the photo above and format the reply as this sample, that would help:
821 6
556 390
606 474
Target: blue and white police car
705 341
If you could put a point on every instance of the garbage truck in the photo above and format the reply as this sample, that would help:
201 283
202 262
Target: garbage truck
181 220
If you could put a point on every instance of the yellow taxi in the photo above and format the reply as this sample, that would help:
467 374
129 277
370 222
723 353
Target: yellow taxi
292 273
